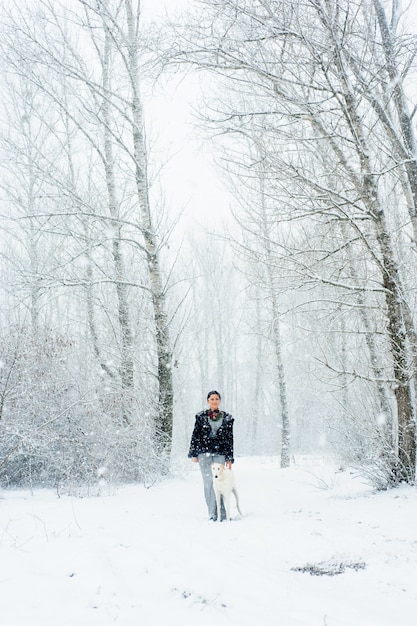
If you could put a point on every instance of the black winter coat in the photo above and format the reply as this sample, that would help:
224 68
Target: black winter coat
203 440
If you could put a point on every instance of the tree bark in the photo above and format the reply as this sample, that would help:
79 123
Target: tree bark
126 364
163 344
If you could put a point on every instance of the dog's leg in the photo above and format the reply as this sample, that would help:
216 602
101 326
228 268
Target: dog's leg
226 501
218 506
237 500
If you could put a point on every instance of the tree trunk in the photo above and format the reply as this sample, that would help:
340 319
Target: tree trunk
400 101
391 280
256 404
276 331
374 357
163 345
126 362
406 466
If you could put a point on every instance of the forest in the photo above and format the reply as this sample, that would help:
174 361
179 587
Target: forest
297 300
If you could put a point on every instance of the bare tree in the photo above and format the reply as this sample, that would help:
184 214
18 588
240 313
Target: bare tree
259 250
289 71
106 269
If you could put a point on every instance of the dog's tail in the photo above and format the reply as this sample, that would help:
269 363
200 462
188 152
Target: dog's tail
237 501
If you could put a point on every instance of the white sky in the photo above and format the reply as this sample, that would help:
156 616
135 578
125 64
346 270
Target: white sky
189 178
190 181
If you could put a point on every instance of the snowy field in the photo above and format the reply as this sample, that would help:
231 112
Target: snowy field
315 547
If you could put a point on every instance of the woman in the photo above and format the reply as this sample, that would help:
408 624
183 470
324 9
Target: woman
212 442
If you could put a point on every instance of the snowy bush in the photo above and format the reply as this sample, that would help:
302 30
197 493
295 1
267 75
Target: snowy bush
55 434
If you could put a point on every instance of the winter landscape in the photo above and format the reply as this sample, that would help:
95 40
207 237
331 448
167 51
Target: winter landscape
315 547
208 195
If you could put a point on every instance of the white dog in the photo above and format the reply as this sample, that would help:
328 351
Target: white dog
223 485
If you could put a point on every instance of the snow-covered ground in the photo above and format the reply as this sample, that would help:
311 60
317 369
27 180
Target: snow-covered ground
149 556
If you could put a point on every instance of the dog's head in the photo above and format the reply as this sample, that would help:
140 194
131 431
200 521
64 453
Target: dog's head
217 470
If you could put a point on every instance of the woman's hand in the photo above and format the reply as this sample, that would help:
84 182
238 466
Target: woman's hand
229 464
194 459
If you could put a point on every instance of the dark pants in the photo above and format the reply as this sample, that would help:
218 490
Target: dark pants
205 461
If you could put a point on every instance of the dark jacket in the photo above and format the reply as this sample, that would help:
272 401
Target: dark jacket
203 440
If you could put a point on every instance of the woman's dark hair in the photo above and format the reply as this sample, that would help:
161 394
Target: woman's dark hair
212 393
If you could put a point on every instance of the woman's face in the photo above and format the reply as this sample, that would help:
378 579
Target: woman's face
213 402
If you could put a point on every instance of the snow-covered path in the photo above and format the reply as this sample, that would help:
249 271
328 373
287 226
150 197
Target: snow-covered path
151 556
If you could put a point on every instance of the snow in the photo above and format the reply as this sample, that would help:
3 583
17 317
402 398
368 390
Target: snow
139 555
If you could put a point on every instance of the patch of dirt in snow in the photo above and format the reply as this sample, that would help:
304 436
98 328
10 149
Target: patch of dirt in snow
329 568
